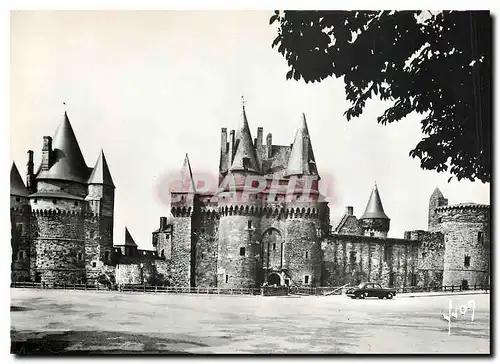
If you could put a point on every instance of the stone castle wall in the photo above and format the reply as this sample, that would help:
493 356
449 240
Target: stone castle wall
350 259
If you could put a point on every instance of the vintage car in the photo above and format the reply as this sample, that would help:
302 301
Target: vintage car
370 289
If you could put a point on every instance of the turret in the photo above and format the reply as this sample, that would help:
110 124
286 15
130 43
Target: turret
436 200
374 220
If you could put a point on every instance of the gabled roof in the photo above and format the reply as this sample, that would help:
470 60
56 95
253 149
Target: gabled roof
185 184
374 208
67 162
17 187
100 173
244 148
437 192
301 160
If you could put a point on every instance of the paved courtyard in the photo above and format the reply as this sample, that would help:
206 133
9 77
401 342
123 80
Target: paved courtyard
50 321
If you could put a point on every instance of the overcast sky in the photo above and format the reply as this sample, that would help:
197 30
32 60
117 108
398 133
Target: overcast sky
150 86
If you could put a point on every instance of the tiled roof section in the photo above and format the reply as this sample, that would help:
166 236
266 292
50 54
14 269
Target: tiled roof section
245 157
301 160
67 159
17 187
374 208
100 173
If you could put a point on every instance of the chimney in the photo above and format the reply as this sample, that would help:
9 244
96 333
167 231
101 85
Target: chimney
223 140
260 132
349 210
231 146
163 223
269 145
29 172
407 235
46 153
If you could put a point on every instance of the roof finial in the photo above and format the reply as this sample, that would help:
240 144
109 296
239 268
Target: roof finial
243 102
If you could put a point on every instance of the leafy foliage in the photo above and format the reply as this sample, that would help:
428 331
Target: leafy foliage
435 64
159 279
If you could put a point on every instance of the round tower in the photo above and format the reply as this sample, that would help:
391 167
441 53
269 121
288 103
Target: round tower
306 214
239 211
374 220
61 220
466 229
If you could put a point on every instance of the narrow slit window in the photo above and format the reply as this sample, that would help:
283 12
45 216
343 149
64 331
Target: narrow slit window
227 278
242 251
306 279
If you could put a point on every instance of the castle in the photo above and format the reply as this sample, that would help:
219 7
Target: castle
266 223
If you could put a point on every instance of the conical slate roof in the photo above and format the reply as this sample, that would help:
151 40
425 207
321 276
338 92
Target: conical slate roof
17 187
301 160
100 173
374 208
185 183
244 148
67 159
437 193
129 240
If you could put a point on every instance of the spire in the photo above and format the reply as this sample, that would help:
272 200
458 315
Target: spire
17 187
374 208
437 193
68 162
301 160
129 240
100 173
245 158
185 182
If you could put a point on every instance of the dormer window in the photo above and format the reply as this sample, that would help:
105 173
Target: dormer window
246 163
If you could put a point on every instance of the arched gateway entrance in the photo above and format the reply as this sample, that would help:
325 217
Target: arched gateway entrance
274 279
273 248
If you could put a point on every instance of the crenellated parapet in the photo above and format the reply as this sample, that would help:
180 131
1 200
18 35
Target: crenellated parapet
464 207
182 211
58 212
282 212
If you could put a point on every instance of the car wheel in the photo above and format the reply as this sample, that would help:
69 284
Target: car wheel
380 297
353 297
389 296
366 295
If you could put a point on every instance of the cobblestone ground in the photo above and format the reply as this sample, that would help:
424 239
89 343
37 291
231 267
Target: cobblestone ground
74 322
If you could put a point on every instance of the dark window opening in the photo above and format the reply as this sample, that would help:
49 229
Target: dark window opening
54 201
94 264
465 284
227 278
80 256
274 246
306 279
21 255
202 255
36 200
163 253
215 254
250 224
424 254
372 234
38 277
440 219
18 199
106 256
307 255
76 203
352 257
287 282
467 261
242 251
480 237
